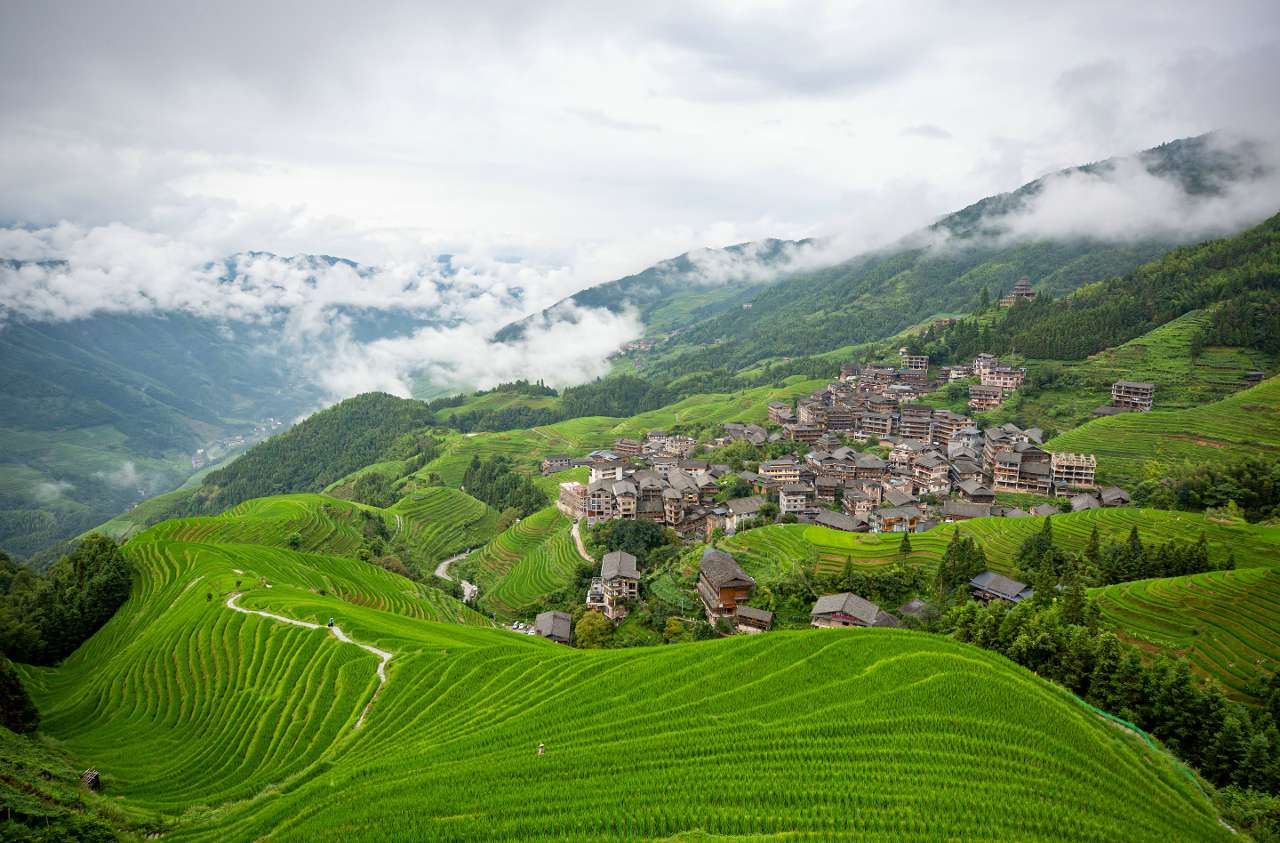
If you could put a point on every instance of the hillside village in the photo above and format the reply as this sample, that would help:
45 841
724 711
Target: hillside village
868 458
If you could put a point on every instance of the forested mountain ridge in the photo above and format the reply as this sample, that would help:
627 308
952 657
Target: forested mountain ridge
684 289
948 267
1240 274
317 451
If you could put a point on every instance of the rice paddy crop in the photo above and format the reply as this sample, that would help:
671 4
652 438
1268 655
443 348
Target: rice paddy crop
524 563
1224 622
227 726
439 522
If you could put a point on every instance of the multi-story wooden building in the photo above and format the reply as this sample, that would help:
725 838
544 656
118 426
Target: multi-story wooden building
915 421
1006 378
1021 291
550 465
1074 471
1133 395
782 470
946 424
913 362
780 413
983 398
722 584
628 447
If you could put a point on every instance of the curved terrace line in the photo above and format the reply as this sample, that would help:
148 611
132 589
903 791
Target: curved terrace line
383 655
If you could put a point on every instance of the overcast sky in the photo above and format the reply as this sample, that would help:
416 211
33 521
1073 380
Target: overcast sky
588 135
553 146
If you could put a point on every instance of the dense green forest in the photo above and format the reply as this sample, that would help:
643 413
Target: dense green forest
1250 482
43 619
495 482
314 453
1242 272
878 295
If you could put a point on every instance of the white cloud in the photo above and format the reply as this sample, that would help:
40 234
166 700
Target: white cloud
124 476
1126 202
50 490
567 349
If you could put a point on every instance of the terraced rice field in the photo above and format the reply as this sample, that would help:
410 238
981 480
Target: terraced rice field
440 522
546 568
1226 623
436 523
772 552
321 524
227 726
187 702
1246 422
530 559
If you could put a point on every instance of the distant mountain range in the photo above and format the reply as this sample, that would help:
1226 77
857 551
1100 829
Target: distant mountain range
101 412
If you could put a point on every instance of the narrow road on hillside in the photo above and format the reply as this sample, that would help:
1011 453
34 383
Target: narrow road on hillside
383 655
469 590
582 548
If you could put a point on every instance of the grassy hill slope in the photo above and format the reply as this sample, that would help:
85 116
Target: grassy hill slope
1162 356
1224 622
1245 422
228 725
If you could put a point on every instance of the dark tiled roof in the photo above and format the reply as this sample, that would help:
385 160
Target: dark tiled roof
554 625
846 603
753 614
838 521
619 563
720 568
1001 586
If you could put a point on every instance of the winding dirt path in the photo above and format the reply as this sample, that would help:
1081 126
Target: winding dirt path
469 590
577 540
383 655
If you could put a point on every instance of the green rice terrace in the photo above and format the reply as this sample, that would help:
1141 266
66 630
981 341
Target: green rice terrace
1224 622
216 703
523 563
435 523
1163 356
770 552
1245 422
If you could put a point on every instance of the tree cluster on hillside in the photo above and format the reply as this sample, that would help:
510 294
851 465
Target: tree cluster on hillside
43 619
17 712
498 484
1250 481
639 538
1250 320
314 453
1048 567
